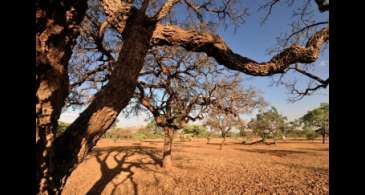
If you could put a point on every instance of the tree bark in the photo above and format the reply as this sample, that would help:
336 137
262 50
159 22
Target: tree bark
55 36
223 141
167 148
54 44
81 136
215 47
208 140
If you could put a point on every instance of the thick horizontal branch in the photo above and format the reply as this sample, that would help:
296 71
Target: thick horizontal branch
214 46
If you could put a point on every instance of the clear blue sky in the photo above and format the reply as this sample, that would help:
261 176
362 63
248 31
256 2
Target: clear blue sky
252 40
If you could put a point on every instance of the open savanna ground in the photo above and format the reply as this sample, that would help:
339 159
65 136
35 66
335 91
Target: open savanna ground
132 167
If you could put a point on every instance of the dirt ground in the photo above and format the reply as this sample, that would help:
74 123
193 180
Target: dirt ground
131 167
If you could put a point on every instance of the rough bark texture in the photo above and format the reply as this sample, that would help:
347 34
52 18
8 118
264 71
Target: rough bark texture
72 147
165 9
323 138
223 141
214 46
57 27
167 148
55 36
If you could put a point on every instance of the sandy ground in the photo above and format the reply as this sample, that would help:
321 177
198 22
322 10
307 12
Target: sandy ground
127 167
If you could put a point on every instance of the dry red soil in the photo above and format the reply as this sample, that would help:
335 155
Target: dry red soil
131 167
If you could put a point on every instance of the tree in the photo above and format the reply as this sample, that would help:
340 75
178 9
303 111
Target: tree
268 122
196 130
153 127
61 27
230 103
175 87
318 118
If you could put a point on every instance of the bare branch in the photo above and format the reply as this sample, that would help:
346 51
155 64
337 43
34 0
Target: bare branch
308 90
312 76
323 5
89 74
165 9
144 5
269 5
305 28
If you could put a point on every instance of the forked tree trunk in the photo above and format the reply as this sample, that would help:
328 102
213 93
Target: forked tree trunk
50 94
81 136
167 148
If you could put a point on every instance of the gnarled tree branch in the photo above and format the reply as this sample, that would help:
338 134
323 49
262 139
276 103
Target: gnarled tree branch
165 9
215 46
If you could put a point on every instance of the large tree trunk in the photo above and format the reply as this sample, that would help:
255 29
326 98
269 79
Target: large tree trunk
72 147
167 148
55 37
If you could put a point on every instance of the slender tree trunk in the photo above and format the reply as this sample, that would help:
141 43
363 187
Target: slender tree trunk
55 37
323 138
264 138
81 136
167 148
208 140
274 138
223 141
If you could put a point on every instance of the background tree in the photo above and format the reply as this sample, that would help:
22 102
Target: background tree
230 102
223 123
153 127
318 118
196 130
139 26
175 87
268 122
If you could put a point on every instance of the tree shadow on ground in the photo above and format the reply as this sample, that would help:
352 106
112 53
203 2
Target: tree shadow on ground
315 149
304 141
299 166
150 156
153 141
279 153
188 146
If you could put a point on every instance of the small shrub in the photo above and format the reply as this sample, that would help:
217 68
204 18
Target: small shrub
139 136
310 134
118 133
196 130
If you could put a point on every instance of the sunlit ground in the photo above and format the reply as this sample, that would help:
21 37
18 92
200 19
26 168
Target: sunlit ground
132 167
